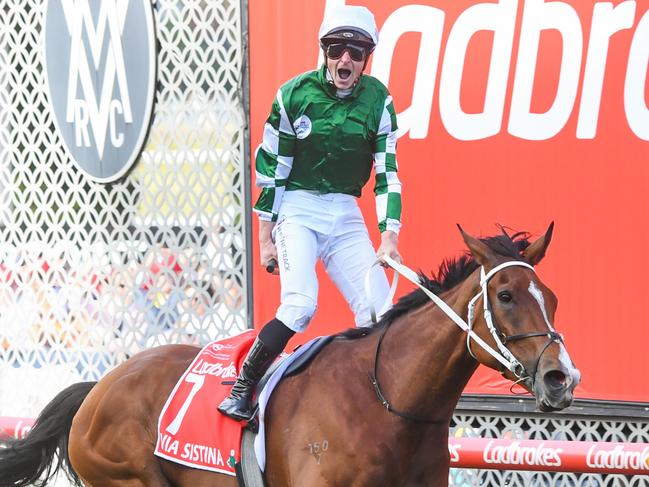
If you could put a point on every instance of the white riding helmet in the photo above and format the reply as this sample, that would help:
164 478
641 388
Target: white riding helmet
349 23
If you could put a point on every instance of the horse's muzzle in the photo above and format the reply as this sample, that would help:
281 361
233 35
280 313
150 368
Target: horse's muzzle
554 388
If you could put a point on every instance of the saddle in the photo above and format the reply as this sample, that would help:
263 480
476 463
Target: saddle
247 470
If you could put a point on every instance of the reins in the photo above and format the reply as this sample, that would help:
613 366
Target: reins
503 356
379 393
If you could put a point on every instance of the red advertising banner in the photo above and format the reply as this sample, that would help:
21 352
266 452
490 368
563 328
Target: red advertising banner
11 427
512 113
550 456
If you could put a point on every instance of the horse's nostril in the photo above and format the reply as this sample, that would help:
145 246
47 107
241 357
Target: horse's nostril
555 379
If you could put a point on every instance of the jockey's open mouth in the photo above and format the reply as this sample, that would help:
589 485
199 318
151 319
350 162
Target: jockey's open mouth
344 73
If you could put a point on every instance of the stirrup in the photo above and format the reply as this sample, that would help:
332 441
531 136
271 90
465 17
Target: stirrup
231 408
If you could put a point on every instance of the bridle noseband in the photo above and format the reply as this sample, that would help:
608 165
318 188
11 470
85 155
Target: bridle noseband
504 356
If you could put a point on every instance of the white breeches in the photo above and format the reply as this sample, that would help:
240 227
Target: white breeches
330 227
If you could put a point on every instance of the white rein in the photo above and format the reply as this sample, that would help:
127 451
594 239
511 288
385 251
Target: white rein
505 357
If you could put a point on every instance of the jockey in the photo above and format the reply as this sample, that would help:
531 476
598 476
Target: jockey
326 130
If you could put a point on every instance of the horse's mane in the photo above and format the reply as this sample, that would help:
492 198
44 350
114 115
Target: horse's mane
451 272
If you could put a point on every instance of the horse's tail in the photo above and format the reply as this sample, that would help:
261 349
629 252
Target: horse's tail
31 460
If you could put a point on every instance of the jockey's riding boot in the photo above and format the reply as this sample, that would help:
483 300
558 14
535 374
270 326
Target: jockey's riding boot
237 404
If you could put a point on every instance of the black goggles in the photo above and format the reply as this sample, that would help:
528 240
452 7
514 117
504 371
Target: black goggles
337 49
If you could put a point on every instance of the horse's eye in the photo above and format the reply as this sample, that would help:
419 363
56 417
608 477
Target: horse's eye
505 296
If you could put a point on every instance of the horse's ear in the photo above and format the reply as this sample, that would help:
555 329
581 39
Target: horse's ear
536 251
481 253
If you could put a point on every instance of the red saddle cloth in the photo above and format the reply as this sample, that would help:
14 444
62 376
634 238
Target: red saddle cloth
190 430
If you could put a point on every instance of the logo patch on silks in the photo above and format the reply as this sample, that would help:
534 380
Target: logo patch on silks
302 127
100 66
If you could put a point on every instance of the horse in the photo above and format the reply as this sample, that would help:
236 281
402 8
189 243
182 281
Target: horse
372 408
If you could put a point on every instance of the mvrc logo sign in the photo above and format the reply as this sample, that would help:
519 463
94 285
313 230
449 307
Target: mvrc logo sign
100 65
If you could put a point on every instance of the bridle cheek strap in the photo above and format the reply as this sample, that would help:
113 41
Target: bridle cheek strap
500 338
517 368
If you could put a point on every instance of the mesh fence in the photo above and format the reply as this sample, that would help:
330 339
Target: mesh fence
92 273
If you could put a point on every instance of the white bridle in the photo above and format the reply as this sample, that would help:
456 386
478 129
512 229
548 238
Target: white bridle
504 356
513 363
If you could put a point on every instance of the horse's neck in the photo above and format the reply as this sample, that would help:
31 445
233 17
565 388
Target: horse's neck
426 359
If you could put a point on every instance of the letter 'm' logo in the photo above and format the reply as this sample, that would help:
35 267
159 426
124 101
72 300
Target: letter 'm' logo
100 61
87 108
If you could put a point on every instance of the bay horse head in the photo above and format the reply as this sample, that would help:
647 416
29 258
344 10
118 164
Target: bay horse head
517 320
